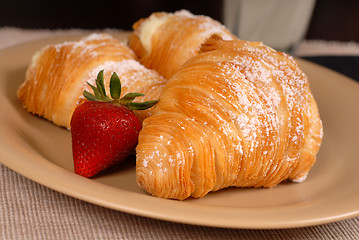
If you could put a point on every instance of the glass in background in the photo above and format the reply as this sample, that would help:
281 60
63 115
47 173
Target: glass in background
280 24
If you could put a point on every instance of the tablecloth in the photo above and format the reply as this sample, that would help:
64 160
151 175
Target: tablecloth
29 210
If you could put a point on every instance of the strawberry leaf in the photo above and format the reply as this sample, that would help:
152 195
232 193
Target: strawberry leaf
95 90
100 85
115 86
115 91
129 97
142 105
89 96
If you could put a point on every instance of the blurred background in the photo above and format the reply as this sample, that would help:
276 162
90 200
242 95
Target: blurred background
330 19
304 28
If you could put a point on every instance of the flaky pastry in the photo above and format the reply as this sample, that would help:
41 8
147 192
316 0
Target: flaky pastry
165 41
58 74
238 114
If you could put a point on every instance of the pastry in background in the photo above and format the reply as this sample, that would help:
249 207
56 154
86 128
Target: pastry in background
165 41
58 74
239 114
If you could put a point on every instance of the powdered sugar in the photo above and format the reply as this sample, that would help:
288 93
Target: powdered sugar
210 27
129 71
82 42
251 106
184 13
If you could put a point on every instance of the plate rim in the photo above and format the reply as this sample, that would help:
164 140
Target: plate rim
8 161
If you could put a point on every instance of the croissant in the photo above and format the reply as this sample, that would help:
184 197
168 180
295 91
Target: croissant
58 74
165 41
238 114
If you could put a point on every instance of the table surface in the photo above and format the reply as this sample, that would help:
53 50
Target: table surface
29 210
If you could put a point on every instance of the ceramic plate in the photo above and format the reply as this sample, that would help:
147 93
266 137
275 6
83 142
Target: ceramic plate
41 151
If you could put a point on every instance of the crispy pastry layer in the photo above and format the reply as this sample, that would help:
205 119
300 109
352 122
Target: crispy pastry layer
165 41
57 76
238 114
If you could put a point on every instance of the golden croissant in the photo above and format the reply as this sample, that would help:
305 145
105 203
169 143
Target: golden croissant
58 74
237 114
165 41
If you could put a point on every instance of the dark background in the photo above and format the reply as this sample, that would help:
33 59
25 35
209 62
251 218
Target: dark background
331 20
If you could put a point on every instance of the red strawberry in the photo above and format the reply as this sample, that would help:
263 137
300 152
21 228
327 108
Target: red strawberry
105 131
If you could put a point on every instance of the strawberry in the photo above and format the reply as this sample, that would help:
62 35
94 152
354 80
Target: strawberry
105 131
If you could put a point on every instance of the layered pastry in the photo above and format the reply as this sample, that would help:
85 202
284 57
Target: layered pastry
238 114
165 41
232 113
58 74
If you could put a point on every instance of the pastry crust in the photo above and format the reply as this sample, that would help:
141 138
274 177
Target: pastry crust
57 76
165 41
238 114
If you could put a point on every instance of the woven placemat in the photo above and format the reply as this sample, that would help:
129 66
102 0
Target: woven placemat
32 211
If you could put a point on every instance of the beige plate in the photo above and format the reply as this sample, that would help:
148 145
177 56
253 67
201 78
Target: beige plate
41 151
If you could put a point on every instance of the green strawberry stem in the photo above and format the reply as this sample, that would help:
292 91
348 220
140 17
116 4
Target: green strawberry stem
115 91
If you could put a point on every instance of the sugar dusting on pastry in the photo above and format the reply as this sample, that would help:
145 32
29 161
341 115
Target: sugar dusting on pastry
130 70
57 75
165 41
254 123
300 179
134 77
